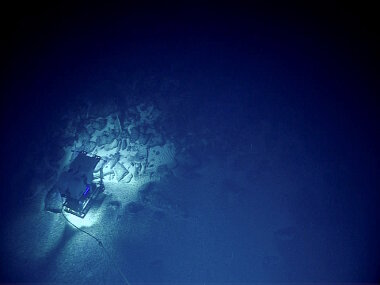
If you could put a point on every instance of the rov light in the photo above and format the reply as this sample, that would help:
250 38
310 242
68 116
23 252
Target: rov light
87 189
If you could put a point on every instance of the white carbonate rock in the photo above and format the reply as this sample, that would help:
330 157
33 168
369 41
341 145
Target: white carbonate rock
123 144
114 160
100 124
127 178
89 146
99 166
120 171
104 139
134 134
112 145
131 145
125 161
53 201
135 169
138 156
107 169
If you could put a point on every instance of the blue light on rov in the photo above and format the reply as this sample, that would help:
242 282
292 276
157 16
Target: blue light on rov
87 189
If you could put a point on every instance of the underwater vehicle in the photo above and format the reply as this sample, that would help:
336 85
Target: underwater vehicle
79 186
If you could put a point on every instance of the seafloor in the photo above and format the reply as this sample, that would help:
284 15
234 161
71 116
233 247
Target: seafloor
231 154
187 199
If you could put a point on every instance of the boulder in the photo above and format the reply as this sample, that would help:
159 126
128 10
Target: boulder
53 201
113 161
105 138
139 157
112 145
120 171
90 129
127 178
83 135
99 166
135 169
134 134
123 144
107 169
90 146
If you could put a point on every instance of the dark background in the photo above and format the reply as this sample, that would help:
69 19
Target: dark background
312 65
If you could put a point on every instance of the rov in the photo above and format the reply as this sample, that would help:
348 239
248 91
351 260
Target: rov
78 186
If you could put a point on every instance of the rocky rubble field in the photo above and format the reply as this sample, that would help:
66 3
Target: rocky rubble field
133 150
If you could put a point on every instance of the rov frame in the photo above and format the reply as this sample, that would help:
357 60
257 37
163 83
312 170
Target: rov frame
79 206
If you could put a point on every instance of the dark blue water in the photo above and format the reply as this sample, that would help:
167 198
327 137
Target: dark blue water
286 188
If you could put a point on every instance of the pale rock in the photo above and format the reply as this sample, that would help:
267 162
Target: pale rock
127 178
105 138
53 201
134 134
113 161
112 145
107 169
89 146
120 171
123 144
99 165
